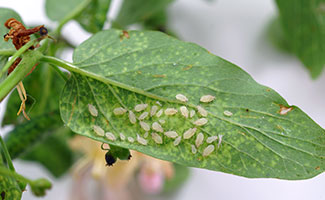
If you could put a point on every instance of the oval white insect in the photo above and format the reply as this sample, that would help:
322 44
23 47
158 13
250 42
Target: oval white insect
119 111
131 139
140 107
92 110
189 133
171 134
132 117
202 111
144 126
199 140
141 140
194 150
98 130
211 139
192 113
153 110
157 127
177 140
162 121
207 98
184 111
157 138
208 150
143 115
110 136
160 112
201 122
170 111
181 97
158 103
146 134
122 136
220 140
227 113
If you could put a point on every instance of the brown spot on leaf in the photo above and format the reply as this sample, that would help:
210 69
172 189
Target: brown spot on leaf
242 133
187 67
159 75
268 90
124 34
317 168
107 122
284 110
139 72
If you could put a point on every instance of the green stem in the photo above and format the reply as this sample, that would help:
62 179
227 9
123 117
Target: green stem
72 15
7 52
17 54
30 58
7 172
6 154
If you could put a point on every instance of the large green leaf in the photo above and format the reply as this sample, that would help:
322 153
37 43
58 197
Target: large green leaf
262 135
304 26
135 11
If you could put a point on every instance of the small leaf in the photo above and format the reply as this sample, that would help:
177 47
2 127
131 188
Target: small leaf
303 23
256 138
9 187
40 186
57 10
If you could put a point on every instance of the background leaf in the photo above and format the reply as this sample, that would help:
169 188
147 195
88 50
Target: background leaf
262 136
6 13
57 10
303 23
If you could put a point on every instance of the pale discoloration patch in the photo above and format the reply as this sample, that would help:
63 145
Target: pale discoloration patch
158 103
144 126
184 111
122 136
220 140
157 127
161 121
207 98
189 133
171 134
192 113
132 117
181 98
211 139
202 111
157 138
170 111
131 139
227 113
141 140
194 150
110 136
201 122
199 140
119 111
146 134
143 115
153 110
98 130
177 140
140 107
208 150
92 110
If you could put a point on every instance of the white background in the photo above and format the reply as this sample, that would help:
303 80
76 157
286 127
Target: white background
234 30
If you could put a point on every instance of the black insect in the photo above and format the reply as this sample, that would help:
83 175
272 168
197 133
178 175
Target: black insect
3 195
43 31
110 159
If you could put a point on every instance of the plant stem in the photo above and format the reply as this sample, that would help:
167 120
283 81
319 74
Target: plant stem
6 154
7 172
71 15
7 52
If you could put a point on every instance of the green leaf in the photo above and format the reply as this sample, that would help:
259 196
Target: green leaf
92 19
276 35
57 10
135 11
303 23
53 153
262 135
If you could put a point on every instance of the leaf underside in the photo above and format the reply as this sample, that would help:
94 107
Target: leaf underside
147 67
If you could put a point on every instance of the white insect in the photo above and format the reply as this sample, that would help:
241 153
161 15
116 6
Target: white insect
177 140
220 140
192 113
201 122
157 127
157 138
131 139
122 136
160 112
207 98
208 150
140 107
110 136
184 111
141 140
92 109
98 130
144 126
146 134
199 140
119 111
202 111
211 139
162 121
189 133
181 97
171 134
132 117
227 113
143 115
194 150
158 103
153 110
170 111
